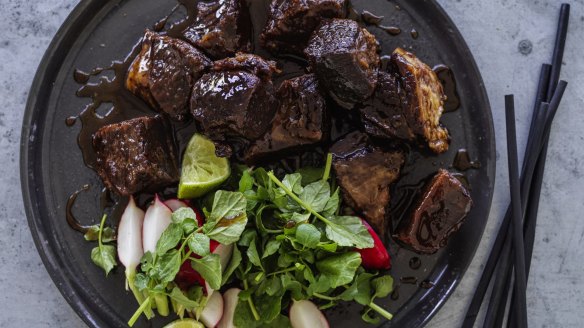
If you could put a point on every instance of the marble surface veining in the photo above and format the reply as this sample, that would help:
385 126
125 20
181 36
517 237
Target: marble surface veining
509 39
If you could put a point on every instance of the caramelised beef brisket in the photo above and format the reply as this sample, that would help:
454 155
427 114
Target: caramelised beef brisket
136 155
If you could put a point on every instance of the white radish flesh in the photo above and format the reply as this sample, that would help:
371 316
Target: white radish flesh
129 240
174 204
224 252
305 314
156 220
230 299
213 311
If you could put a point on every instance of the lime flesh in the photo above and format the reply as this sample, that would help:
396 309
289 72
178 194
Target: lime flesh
202 170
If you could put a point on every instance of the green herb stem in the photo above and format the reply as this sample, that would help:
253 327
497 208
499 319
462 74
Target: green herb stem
296 198
138 312
252 307
162 304
101 231
282 271
327 167
381 311
324 297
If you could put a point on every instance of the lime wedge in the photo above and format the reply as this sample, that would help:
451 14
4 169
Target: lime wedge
202 170
185 323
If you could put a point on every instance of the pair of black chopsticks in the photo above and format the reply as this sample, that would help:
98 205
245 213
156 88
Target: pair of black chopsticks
513 246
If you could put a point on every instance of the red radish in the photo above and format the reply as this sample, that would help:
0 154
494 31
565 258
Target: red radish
187 276
225 252
129 241
156 220
305 314
230 299
213 311
174 204
376 257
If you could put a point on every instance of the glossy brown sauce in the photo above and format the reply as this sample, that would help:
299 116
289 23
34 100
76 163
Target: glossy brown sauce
71 220
462 161
414 33
391 30
408 280
370 18
446 77
415 263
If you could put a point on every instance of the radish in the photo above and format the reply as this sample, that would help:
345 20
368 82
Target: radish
130 248
305 314
174 204
225 252
376 257
156 220
213 311
230 299
187 276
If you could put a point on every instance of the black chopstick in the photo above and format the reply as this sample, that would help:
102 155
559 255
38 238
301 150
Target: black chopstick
517 225
526 173
558 54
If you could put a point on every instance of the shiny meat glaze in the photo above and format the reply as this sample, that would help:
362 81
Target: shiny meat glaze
164 72
136 155
344 57
299 121
438 213
221 29
365 173
291 22
425 102
383 114
232 101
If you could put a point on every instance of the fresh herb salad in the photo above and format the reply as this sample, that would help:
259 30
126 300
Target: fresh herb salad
280 243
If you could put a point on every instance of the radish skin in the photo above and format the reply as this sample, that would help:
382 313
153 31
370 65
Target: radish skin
213 311
130 248
230 299
174 204
305 314
156 220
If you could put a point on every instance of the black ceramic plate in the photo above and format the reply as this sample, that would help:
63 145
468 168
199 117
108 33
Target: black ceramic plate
98 32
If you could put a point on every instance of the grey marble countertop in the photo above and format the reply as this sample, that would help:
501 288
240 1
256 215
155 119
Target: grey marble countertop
493 30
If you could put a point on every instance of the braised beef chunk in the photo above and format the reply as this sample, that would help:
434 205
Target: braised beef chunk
344 57
136 155
291 22
221 29
232 101
365 173
164 72
425 99
439 213
383 114
299 121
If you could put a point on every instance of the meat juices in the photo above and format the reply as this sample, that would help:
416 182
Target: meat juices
299 121
438 213
365 173
136 155
222 28
236 99
424 104
291 22
344 57
164 72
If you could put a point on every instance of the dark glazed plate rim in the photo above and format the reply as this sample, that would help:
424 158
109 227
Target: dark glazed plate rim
32 130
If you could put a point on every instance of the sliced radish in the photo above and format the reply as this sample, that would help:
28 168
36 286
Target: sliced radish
225 252
230 299
174 204
129 239
305 314
376 257
187 276
213 311
156 220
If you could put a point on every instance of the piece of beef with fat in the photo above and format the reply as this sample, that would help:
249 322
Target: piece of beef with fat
437 214
365 172
291 23
221 29
136 155
164 72
345 58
